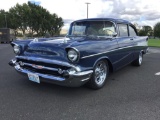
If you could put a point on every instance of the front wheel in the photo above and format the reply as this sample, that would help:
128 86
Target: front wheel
99 76
139 60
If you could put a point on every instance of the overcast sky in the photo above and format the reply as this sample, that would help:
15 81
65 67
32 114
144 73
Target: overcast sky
144 12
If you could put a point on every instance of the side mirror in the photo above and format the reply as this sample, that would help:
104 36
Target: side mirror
114 34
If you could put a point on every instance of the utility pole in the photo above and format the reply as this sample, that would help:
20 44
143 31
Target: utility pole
87 8
5 19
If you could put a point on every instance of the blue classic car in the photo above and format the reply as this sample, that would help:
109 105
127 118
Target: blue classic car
92 49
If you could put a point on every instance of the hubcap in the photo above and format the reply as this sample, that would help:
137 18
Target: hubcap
140 58
100 73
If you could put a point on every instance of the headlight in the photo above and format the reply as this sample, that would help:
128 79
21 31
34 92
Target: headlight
17 49
73 55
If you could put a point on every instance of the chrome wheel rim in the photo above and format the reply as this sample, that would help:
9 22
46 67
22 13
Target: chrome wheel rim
100 73
140 58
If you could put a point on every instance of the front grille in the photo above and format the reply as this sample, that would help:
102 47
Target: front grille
43 64
29 63
42 71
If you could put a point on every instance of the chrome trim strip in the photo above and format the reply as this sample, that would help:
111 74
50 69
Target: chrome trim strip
39 74
49 61
38 59
105 52
82 73
15 43
47 68
85 79
52 77
94 54
122 58
147 50
74 74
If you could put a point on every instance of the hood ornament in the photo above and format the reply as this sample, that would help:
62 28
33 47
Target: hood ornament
65 39
35 40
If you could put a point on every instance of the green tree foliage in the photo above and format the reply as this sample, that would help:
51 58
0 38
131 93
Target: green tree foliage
2 19
157 30
146 31
19 17
57 24
32 18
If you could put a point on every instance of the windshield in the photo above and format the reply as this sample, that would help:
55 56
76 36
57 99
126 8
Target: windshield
96 28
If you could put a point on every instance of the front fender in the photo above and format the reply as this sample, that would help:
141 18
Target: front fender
106 59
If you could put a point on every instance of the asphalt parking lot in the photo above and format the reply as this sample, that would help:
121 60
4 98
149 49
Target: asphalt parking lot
132 93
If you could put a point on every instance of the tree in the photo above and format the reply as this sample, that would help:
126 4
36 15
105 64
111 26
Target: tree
3 19
56 24
32 18
157 30
146 31
37 20
41 21
19 16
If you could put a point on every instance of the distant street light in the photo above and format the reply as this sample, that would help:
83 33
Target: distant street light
87 8
5 19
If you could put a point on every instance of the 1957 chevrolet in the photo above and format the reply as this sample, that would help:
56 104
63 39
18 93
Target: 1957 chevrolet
92 49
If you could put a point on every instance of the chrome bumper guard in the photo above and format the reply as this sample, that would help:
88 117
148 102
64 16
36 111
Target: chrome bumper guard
72 78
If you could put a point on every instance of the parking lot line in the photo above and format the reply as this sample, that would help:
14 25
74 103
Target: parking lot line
158 73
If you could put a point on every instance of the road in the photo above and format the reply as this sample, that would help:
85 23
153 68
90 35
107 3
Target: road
132 93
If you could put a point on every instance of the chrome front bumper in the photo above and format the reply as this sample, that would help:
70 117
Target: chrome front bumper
71 79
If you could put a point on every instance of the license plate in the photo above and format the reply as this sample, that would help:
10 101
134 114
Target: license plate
33 77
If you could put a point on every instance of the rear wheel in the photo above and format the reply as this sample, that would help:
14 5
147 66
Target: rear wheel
99 76
139 60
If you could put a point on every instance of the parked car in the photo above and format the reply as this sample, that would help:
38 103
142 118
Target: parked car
92 49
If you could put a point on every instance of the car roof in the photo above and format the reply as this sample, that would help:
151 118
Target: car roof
110 19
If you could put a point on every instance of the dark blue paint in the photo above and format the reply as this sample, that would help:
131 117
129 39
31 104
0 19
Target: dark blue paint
119 51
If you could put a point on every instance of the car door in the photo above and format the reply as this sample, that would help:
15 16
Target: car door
134 37
125 46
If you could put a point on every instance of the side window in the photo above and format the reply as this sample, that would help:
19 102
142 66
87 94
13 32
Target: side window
123 30
132 31
78 30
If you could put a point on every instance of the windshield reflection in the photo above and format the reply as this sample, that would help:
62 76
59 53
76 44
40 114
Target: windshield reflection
92 29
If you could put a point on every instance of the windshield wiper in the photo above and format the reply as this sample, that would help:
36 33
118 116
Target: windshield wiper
98 37
91 37
75 35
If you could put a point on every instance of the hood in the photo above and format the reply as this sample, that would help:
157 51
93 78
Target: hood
51 48
62 42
